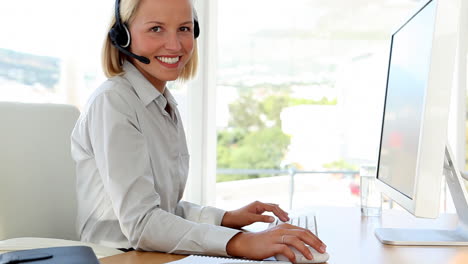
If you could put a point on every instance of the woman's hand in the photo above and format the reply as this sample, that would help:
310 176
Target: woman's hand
253 213
274 241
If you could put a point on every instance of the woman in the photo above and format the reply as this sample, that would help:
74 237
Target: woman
131 154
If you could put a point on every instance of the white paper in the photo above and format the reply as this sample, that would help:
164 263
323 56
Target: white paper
195 259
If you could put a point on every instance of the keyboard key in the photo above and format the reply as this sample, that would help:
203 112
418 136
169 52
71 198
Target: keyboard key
304 221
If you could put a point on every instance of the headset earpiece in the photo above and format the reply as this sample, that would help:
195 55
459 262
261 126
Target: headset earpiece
196 29
120 35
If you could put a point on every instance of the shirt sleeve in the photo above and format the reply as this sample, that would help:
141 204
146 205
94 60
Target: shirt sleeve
123 162
200 214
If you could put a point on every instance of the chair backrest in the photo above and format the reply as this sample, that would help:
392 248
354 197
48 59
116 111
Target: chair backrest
37 173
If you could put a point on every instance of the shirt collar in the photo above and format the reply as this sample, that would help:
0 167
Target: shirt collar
144 89
170 98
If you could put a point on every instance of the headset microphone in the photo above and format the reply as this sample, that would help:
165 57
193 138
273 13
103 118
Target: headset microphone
133 55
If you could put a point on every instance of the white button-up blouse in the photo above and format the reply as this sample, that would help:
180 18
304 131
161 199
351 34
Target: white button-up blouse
132 164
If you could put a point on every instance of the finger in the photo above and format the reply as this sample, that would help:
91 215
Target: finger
276 210
260 207
283 249
283 215
289 226
292 227
306 236
323 247
262 218
298 244
277 205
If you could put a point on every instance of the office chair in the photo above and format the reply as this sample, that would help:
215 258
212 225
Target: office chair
37 176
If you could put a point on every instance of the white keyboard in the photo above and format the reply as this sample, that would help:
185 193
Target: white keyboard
304 221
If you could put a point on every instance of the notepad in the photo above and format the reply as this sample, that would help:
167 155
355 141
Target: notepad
195 259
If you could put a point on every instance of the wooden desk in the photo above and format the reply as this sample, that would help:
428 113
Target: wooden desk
350 239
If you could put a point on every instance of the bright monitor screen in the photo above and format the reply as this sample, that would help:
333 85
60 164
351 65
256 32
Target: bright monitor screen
414 154
407 81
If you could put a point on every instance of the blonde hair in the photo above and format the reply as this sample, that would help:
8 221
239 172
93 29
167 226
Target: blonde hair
113 59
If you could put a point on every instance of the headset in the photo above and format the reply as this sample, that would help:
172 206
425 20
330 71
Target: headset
120 35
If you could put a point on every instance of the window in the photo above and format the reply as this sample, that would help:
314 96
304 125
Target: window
300 88
52 50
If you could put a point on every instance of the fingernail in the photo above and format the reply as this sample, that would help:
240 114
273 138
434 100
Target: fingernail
323 248
271 219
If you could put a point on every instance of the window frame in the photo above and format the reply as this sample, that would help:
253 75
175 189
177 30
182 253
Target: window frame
201 118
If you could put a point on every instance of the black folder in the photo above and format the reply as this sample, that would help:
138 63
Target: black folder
53 255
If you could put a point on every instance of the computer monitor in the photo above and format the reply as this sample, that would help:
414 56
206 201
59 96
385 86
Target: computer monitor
413 146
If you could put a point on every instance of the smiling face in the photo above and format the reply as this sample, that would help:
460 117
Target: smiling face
162 31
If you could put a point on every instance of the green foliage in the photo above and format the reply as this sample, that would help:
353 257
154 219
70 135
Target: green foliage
251 114
323 101
246 113
228 140
262 149
272 107
254 139
340 165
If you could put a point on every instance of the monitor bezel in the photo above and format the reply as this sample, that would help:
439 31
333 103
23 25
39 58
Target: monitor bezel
433 131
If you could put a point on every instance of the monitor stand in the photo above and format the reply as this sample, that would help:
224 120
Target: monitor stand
436 237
